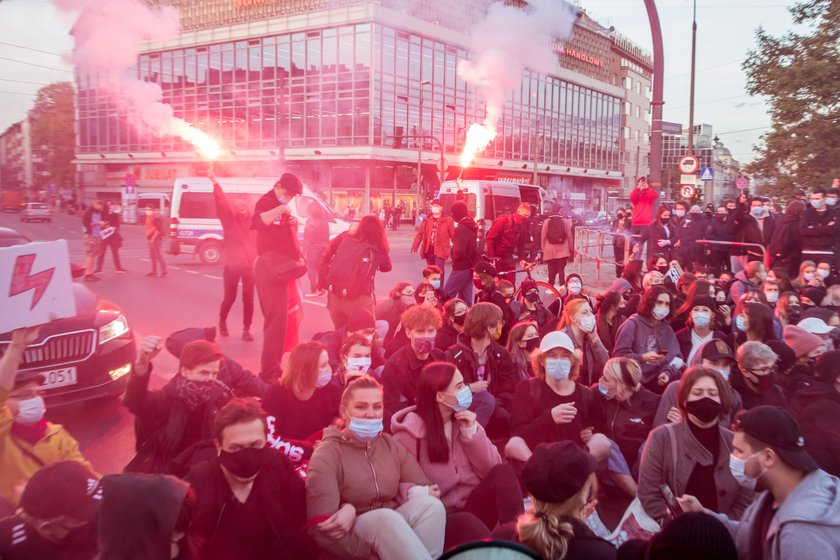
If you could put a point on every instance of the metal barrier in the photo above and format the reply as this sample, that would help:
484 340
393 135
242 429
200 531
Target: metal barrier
583 236
765 255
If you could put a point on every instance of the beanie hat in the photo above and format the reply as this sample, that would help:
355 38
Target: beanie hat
826 370
786 355
458 210
693 536
199 352
557 471
814 293
574 275
801 341
360 319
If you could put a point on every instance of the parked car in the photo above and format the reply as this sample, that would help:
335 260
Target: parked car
11 201
83 357
596 219
36 211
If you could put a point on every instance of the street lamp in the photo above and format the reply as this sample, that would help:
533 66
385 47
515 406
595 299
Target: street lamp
419 134
691 97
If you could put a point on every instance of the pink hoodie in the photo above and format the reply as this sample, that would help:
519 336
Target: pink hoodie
470 460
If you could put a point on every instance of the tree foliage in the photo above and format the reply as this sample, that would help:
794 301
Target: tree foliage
799 73
53 138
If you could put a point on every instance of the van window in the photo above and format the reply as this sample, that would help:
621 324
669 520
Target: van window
197 205
447 199
500 205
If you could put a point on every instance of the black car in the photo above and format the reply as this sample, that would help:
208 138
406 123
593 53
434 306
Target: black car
83 357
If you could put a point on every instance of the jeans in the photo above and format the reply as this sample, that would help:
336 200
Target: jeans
115 252
414 530
232 275
156 256
313 257
498 497
644 232
340 308
557 267
460 284
274 302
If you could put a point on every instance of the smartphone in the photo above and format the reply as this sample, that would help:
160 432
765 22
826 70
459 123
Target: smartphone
673 505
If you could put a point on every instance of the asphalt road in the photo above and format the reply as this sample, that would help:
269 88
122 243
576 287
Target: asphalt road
189 297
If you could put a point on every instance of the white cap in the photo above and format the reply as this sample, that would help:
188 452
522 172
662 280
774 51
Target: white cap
556 339
814 325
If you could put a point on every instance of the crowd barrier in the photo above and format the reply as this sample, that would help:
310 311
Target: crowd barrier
765 255
591 244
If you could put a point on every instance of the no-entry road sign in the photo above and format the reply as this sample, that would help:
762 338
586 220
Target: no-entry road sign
688 164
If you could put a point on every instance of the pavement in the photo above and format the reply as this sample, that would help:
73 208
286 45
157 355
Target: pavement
188 297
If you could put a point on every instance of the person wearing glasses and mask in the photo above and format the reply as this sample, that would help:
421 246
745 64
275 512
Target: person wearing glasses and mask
532 306
755 377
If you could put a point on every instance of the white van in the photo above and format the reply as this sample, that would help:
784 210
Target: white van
488 199
161 202
194 223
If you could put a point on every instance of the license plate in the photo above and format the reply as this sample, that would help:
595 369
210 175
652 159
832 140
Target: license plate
59 378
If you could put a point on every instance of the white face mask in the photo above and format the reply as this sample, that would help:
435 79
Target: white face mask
587 324
659 313
679 213
738 469
772 297
358 365
822 273
575 287
558 369
808 276
323 378
31 411
724 372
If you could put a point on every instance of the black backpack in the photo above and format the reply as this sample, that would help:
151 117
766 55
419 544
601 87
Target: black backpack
556 234
351 269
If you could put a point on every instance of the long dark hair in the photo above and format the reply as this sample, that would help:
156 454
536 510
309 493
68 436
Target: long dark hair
633 274
370 230
434 377
761 321
649 300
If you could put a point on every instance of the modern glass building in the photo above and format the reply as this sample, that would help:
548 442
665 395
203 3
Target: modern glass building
350 97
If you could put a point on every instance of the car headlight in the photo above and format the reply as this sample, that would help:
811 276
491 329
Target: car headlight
112 330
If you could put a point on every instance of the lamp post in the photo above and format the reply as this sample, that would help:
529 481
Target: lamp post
691 96
420 138
657 101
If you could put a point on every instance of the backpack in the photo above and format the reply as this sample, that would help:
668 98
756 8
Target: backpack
556 234
351 269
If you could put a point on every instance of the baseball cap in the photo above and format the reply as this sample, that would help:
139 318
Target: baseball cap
776 427
556 339
486 268
814 326
557 471
436 202
716 350
24 377
63 488
199 352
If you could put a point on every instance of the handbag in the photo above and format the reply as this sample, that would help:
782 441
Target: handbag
282 268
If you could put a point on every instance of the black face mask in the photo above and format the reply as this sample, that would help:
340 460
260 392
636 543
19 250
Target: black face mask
664 220
765 382
793 314
533 297
459 319
705 409
663 269
532 344
245 463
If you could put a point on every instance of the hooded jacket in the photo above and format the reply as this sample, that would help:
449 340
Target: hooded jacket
470 457
505 237
628 422
138 515
465 247
805 527
739 287
817 408
344 470
639 335
643 201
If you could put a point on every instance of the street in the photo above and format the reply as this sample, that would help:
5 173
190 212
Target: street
189 297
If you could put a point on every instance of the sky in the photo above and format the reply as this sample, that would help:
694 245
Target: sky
725 33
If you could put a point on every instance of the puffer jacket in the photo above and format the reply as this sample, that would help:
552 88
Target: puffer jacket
343 470
470 459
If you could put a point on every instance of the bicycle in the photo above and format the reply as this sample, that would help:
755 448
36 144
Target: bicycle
527 267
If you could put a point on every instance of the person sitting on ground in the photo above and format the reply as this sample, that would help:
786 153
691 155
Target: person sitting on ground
171 419
250 501
56 519
751 277
366 494
400 298
433 274
689 536
454 314
609 318
552 406
796 513
522 342
27 440
752 321
454 450
486 366
486 281
700 326
807 347
579 322
560 477
402 370
360 321
355 360
817 409
755 377
692 457
532 308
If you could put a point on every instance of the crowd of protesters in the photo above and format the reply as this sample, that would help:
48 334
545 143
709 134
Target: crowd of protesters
697 397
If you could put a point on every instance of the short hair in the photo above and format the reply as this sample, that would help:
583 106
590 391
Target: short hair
480 317
421 289
421 317
238 411
751 353
357 383
398 287
449 306
692 375
647 280
753 268
504 284
649 298
818 190
681 203
525 206
354 339
431 269
301 371
757 199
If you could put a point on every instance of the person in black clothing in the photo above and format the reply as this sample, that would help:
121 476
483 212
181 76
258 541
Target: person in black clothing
57 516
276 242
316 237
755 377
454 315
239 254
818 229
464 254
112 241
485 278
663 234
786 244
817 408
169 420
250 501
144 516
507 238
402 369
532 306
753 224
721 228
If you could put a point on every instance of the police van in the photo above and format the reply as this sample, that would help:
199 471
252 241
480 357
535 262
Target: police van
194 226
487 200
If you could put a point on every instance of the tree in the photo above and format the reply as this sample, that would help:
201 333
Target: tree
52 134
799 73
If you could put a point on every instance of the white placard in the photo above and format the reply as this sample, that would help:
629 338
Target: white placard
36 285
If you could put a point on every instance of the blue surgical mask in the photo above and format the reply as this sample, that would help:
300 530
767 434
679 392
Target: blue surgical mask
659 313
679 213
558 369
365 429
740 324
435 284
817 204
463 398
323 378
738 469
604 391
757 212
701 319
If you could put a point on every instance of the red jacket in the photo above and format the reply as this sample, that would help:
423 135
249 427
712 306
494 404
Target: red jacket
444 234
643 202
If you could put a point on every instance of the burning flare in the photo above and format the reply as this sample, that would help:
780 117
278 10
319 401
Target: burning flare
206 146
479 137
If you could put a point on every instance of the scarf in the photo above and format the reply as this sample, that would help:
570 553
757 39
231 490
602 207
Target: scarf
31 434
195 393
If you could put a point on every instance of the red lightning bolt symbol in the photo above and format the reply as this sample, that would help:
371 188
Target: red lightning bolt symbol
23 281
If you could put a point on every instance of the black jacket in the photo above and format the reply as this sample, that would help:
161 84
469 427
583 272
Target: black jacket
818 230
499 368
659 233
817 408
282 494
773 395
445 338
627 423
240 243
720 230
786 245
465 245
381 262
748 231
399 379
162 423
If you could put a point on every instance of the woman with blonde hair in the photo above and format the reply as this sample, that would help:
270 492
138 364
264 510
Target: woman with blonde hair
579 322
560 477
807 276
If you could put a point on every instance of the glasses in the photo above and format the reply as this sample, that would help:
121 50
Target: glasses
407 294
759 371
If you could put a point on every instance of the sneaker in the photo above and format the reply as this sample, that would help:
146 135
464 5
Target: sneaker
223 330
151 274
247 337
91 278
164 274
312 294
121 271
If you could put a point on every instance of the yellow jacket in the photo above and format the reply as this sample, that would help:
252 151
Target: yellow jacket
16 466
